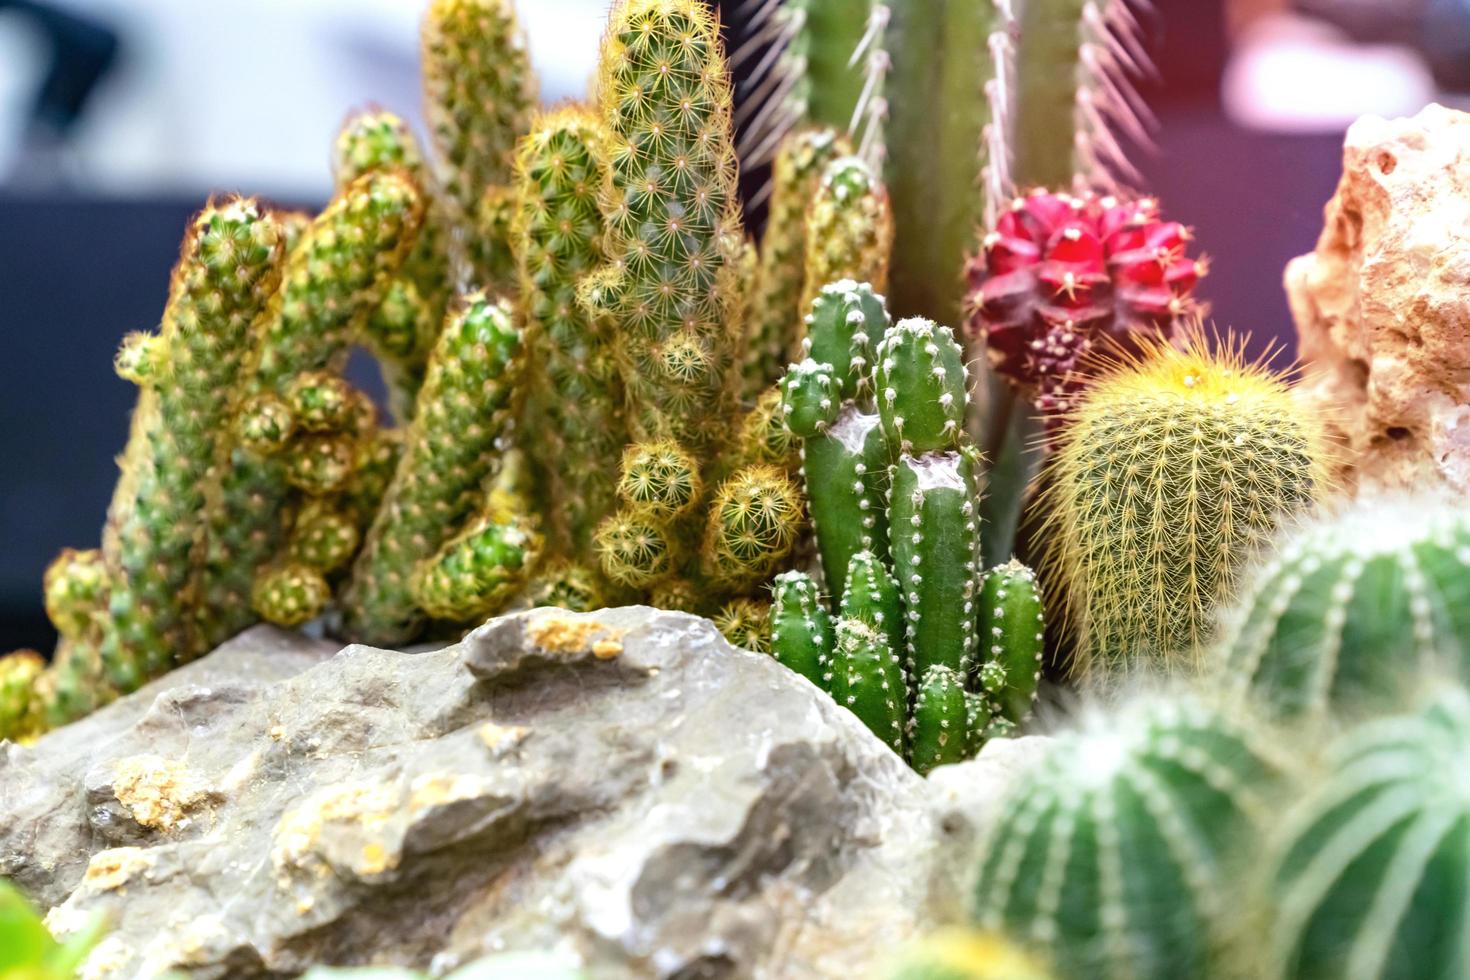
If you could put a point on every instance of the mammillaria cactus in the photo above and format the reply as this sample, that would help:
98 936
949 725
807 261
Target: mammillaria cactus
745 623
475 572
849 232
754 519
574 394
1172 474
1065 275
467 402
20 705
1371 879
1348 606
800 628
1111 852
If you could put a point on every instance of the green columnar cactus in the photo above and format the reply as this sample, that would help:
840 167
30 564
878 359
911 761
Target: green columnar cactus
20 703
672 218
754 519
745 623
921 385
480 92
980 722
467 402
333 279
1012 631
775 308
939 728
575 395
868 679
1171 474
1111 853
230 266
1372 880
1332 620
478 570
872 596
846 323
801 629
849 232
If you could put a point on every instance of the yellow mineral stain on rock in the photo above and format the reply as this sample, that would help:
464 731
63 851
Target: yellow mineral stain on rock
115 867
294 844
375 859
499 738
438 789
565 634
158 792
607 649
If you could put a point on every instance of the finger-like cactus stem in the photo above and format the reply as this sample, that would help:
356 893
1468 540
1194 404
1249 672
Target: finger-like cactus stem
319 465
801 629
477 571
20 706
847 322
1012 631
754 520
467 402
934 533
939 729
922 387
872 596
846 474
290 594
868 679
745 623
849 230
75 590
978 720
325 535
810 398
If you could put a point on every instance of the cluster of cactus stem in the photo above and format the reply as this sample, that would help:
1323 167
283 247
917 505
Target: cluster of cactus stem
930 653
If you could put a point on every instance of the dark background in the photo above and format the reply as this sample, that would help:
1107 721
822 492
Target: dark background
78 271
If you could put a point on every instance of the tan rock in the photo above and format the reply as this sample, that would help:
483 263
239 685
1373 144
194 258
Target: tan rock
1382 307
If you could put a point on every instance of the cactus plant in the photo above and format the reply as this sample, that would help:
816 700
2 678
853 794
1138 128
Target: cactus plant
868 679
872 595
800 627
1111 852
20 705
754 519
1171 475
939 727
1335 617
575 398
1369 878
965 954
1012 630
849 232
477 571
480 93
745 623
468 399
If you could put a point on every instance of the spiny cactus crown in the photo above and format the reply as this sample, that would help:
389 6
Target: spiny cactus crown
922 387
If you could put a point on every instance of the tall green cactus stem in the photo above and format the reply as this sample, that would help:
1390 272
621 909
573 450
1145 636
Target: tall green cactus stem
939 728
1111 853
754 519
921 385
480 93
1372 880
575 398
469 397
774 315
868 679
817 62
1012 633
846 323
849 232
476 572
845 470
673 219
872 596
745 623
230 266
1172 473
20 705
333 279
1344 607
801 630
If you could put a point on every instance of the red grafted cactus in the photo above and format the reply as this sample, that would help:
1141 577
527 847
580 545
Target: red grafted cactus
1063 275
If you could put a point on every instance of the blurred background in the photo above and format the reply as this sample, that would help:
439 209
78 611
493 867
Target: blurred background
119 117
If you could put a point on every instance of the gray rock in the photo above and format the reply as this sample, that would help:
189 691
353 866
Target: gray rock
623 786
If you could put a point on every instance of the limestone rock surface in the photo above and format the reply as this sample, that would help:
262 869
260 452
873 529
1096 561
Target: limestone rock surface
621 786
1382 306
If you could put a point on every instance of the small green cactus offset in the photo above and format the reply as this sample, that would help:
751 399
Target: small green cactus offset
475 572
868 680
1111 853
1334 619
939 728
800 627
1012 634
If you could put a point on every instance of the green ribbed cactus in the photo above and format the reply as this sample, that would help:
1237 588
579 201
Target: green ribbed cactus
939 726
478 570
1012 631
480 93
230 266
800 627
1111 853
336 276
810 398
1346 607
849 232
575 395
1371 878
1172 473
868 680
775 307
922 390
745 623
872 595
467 402
754 519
